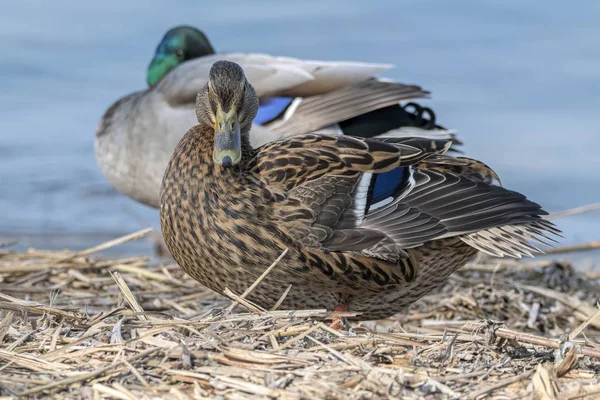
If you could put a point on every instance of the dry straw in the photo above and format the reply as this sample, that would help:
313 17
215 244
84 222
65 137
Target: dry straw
72 326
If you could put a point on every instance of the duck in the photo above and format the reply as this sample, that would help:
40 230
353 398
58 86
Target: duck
138 133
364 225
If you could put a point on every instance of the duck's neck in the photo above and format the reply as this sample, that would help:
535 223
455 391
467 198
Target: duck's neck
215 192
199 144
192 165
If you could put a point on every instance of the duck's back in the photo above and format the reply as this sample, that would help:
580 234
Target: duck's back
135 140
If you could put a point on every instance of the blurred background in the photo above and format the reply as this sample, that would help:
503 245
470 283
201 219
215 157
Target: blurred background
519 82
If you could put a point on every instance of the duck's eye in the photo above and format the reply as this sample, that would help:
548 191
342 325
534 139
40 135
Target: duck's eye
180 54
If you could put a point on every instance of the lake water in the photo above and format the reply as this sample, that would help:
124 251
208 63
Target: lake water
520 82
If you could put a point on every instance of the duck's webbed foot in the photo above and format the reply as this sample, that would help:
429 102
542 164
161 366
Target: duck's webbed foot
338 322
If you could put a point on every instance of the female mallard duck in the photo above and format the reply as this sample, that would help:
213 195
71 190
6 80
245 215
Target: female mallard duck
371 225
138 133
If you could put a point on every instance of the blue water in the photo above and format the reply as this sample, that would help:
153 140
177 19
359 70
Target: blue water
520 81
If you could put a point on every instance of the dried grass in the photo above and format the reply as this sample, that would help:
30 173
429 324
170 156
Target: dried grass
73 326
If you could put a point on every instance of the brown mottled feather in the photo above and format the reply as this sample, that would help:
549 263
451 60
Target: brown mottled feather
310 194
233 221
303 158
223 226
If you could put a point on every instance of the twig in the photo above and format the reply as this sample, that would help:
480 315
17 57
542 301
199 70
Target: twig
31 362
574 211
5 324
259 280
582 310
575 332
239 300
336 353
33 307
585 395
526 338
299 337
89 375
593 245
129 297
282 298
500 384
137 374
451 378
502 265
111 392
105 245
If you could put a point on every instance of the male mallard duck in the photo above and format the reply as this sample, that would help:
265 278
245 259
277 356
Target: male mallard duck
138 133
371 225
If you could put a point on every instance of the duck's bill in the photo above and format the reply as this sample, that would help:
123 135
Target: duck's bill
228 141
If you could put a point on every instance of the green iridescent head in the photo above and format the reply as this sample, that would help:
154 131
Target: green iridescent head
179 44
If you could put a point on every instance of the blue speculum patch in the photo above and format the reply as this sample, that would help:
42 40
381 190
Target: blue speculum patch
271 108
387 184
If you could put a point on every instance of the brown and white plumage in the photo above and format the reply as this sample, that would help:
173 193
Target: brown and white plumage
350 241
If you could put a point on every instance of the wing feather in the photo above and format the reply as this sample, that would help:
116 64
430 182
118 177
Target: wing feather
317 112
330 177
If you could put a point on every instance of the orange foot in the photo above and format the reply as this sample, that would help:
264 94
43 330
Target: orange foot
337 321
